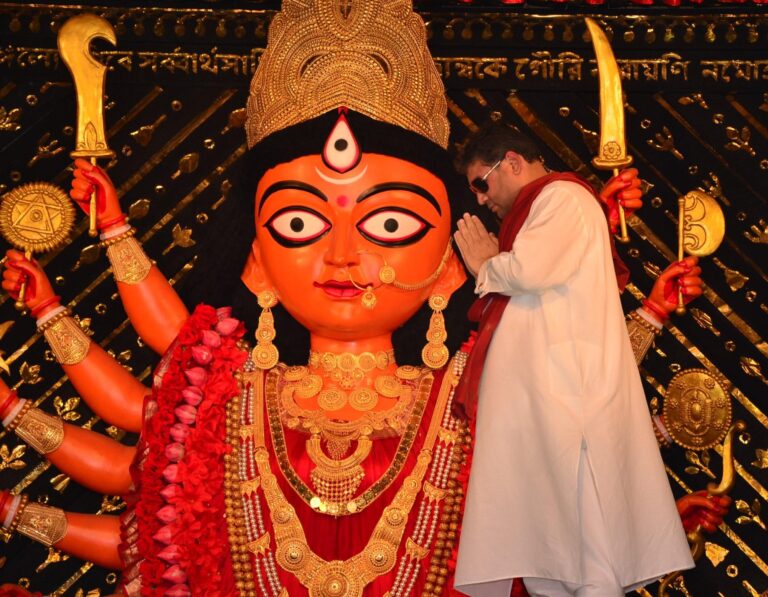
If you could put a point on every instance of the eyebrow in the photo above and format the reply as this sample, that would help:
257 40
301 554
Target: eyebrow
399 186
292 184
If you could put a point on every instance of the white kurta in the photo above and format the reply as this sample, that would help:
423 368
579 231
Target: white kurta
560 374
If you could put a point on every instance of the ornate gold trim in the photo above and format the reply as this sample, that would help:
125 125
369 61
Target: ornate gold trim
67 341
369 57
44 524
641 335
130 264
43 432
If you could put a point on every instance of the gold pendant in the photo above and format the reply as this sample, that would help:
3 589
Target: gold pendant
369 298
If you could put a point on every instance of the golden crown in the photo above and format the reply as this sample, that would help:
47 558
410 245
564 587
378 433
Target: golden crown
367 55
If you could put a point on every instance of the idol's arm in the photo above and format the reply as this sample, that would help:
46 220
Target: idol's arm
648 321
153 307
91 537
89 458
108 388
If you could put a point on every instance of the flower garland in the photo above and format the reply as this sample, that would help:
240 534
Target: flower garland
180 495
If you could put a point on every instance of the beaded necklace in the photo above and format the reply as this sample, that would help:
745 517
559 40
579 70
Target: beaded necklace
248 471
336 479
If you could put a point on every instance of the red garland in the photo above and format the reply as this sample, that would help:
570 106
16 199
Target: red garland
189 547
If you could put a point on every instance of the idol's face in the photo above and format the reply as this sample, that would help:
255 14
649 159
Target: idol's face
323 237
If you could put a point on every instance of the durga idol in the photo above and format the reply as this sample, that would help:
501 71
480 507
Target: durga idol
321 456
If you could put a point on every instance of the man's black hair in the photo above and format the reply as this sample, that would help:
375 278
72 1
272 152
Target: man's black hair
215 279
491 141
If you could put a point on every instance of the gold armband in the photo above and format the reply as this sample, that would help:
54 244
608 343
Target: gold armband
641 335
129 263
66 339
44 524
41 431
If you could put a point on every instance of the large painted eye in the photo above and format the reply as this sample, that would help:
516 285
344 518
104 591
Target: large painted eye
294 226
393 226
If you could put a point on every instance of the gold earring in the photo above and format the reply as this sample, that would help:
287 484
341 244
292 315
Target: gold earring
435 353
265 354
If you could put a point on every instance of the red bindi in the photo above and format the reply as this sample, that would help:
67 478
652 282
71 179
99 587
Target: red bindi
342 200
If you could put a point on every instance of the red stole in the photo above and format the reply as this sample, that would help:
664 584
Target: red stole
489 309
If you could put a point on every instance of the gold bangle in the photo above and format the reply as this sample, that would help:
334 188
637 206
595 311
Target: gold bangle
53 320
641 334
17 516
116 239
44 524
129 263
67 340
642 321
17 419
41 431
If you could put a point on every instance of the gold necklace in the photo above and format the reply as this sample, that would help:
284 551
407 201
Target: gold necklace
337 479
348 369
321 578
347 372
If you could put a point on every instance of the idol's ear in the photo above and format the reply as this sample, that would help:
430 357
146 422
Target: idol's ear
254 275
451 278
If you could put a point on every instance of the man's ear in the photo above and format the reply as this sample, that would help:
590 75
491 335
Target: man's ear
451 278
515 161
254 275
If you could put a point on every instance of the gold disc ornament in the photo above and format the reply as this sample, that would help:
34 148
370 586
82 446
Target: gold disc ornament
36 217
387 274
703 223
700 229
697 409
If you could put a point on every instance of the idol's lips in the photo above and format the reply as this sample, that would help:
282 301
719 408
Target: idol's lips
338 289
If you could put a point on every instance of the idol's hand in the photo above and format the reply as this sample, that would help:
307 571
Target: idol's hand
89 178
624 190
475 243
40 297
685 275
700 509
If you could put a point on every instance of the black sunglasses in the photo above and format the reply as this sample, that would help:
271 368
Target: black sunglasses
480 183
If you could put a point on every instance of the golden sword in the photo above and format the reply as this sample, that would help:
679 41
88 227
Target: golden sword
612 154
89 75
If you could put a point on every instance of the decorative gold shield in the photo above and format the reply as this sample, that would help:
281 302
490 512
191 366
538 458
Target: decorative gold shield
697 409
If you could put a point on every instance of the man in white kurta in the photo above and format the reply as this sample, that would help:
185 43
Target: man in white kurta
567 488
